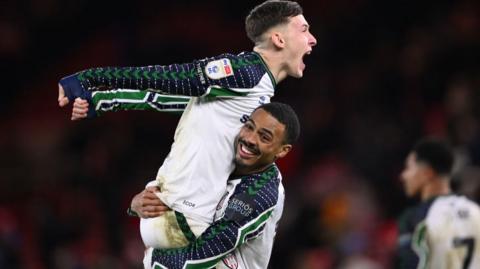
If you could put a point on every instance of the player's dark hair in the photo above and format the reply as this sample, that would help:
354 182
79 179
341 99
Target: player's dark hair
286 116
435 153
269 14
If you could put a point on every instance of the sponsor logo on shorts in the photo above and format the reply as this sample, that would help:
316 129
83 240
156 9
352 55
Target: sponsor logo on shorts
219 69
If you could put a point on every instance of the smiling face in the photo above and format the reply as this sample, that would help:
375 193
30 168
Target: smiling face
298 42
260 142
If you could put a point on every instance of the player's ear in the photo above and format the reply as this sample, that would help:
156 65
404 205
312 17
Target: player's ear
277 39
284 150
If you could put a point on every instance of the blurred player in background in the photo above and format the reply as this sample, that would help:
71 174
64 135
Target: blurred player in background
443 231
247 216
222 92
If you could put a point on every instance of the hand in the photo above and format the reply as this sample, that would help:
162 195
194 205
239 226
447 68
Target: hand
147 204
80 109
62 99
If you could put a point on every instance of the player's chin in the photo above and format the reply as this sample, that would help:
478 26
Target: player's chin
409 192
242 162
239 159
298 73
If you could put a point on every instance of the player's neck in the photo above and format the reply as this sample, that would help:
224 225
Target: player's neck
274 62
248 170
436 188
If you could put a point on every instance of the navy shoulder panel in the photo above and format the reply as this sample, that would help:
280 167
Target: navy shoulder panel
243 71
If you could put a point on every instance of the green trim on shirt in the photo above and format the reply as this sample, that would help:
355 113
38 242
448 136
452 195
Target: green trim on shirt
272 78
183 224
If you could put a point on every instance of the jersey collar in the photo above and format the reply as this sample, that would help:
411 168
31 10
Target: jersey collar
272 78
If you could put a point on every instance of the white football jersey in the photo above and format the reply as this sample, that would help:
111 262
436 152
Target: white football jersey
255 253
449 237
194 175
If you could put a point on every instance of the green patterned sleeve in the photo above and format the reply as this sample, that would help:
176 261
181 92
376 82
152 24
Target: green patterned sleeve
126 99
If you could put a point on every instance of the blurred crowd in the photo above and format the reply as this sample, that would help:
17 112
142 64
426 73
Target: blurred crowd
383 75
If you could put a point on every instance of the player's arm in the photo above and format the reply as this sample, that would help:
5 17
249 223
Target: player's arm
125 99
224 75
116 100
420 246
247 211
146 204
406 258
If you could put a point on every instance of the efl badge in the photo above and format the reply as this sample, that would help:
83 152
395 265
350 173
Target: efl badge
219 69
230 261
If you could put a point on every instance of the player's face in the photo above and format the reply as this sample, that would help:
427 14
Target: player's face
260 142
413 176
298 43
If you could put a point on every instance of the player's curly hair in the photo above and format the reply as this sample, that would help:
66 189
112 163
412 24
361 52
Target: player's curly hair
269 14
435 153
286 116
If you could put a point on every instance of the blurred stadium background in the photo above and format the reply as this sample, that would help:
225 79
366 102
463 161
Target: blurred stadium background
384 74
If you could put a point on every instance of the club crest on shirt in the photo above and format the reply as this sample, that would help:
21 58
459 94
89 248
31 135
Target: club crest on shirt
219 69
230 261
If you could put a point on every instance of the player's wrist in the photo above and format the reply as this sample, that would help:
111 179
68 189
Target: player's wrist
92 112
73 88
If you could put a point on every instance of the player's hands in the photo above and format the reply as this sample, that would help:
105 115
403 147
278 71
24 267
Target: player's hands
147 204
80 109
62 99
80 106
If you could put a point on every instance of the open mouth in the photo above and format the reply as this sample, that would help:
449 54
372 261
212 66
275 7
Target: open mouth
246 151
304 56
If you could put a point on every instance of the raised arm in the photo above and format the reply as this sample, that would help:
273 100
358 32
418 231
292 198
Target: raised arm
248 209
233 73
116 100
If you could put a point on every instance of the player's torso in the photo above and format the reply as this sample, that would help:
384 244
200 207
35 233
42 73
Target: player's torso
440 234
453 233
255 253
193 176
